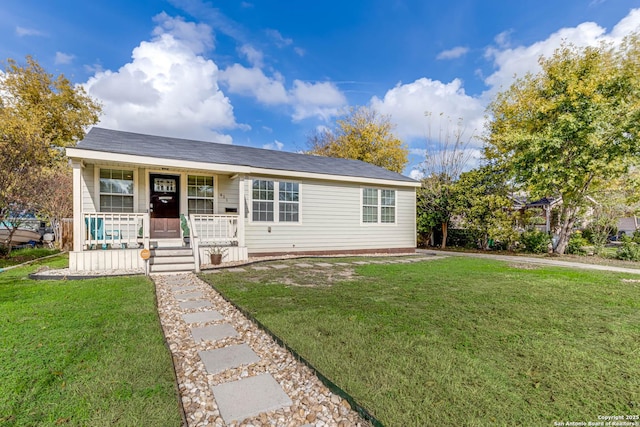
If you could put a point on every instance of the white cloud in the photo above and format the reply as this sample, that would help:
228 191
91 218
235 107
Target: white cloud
416 174
253 55
253 82
454 53
167 88
197 37
23 31
408 103
299 51
278 38
275 145
323 100
63 58
503 39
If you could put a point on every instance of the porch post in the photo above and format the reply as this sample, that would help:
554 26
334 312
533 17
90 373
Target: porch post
241 211
78 236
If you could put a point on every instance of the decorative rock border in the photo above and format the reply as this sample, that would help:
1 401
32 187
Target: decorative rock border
312 402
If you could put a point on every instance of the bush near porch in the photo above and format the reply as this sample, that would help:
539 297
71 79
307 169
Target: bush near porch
459 341
82 353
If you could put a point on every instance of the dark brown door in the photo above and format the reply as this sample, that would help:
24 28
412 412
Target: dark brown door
165 206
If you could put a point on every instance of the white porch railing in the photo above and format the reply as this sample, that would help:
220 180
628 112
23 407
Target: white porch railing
210 230
102 230
215 229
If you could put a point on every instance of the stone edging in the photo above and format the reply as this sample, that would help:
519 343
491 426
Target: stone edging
326 381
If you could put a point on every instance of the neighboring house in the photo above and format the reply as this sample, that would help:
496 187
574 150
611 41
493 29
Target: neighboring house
131 190
628 225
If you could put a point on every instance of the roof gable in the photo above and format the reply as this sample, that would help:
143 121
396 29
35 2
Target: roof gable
112 141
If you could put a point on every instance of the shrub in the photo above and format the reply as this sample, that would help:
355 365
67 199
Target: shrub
461 237
576 244
536 242
629 251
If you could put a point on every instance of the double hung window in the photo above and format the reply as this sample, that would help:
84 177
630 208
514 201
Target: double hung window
378 206
265 204
116 190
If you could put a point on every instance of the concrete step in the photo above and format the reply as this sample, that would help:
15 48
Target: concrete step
166 243
172 268
172 252
182 259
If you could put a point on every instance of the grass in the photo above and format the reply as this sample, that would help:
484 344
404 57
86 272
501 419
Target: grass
18 256
80 353
459 341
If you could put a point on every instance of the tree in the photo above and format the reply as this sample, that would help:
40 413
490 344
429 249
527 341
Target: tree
362 135
446 158
572 127
483 205
55 201
39 115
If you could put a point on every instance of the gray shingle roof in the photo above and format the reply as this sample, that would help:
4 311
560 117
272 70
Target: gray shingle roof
112 141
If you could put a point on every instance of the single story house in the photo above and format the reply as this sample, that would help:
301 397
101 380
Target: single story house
183 199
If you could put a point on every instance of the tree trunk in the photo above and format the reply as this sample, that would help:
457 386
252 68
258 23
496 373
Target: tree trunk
568 219
445 228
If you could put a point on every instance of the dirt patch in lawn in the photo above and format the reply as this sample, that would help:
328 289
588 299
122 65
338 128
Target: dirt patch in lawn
523 266
307 277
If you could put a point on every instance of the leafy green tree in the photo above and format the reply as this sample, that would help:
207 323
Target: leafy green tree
447 156
39 115
483 205
362 135
572 127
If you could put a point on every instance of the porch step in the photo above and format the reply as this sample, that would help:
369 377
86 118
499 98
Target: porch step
171 260
166 243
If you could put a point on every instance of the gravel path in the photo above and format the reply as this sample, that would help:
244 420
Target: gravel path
313 404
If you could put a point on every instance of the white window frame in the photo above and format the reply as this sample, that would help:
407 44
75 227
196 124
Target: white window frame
276 202
99 193
379 207
214 179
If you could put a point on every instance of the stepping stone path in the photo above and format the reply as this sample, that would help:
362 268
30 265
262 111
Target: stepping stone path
230 372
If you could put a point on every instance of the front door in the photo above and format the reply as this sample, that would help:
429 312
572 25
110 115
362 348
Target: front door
164 207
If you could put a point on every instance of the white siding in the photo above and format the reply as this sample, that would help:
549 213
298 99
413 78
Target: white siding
142 188
227 195
330 220
90 200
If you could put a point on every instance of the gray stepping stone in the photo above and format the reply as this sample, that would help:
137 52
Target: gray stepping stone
323 264
178 280
361 262
224 358
189 295
194 304
303 265
213 332
202 316
260 268
248 397
178 288
343 264
236 270
279 266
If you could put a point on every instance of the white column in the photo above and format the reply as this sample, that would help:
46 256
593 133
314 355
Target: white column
241 211
78 235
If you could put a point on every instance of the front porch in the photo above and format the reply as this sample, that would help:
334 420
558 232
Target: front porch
114 241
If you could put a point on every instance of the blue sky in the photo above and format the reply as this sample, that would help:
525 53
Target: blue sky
269 73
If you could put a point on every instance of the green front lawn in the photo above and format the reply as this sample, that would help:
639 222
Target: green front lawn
83 353
18 256
459 341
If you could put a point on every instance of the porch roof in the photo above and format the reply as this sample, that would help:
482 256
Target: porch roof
160 147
